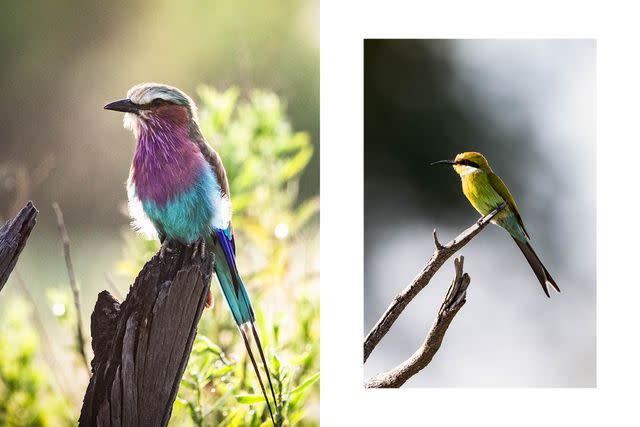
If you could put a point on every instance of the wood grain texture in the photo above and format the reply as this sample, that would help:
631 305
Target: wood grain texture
141 346
13 238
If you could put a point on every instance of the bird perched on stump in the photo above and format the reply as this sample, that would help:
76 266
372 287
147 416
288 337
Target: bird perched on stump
486 191
178 189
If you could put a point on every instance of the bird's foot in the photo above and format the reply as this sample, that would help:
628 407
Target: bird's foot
164 248
199 247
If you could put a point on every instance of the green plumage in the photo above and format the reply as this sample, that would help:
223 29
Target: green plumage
486 191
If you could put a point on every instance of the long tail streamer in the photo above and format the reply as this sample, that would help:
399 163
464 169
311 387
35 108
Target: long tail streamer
236 295
255 367
264 362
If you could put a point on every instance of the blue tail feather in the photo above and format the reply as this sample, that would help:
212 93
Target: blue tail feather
238 300
230 280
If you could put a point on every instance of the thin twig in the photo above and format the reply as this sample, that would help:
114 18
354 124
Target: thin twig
453 302
442 253
72 282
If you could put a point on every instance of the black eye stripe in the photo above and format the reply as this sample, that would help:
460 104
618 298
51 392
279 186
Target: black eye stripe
466 162
157 102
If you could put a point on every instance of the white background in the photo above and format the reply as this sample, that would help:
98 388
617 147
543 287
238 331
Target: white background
344 25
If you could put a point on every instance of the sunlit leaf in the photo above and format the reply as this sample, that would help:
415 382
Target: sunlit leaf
304 213
218 372
296 164
298 141
249 399
188 384
203 344
296 417
306 384
275 363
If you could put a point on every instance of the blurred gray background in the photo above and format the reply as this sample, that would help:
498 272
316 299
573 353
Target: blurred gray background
530 107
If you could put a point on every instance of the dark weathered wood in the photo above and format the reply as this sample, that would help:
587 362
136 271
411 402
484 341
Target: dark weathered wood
13 238
141 346
453 302
400 302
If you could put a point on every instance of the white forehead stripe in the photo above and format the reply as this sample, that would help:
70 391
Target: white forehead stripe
147 92
146 96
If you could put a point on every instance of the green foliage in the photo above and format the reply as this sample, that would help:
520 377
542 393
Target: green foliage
27 396
277 241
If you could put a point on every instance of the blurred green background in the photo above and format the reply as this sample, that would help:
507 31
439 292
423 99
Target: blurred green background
253 69
529 107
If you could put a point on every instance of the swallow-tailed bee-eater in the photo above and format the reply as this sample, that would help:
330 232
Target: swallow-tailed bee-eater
486 191
178 188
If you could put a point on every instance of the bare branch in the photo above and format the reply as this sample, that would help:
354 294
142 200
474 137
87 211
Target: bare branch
453 302
72 282
436 242
442 254
13 238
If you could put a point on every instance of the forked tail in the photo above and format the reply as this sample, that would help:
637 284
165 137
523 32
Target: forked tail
536 265
240 305
247 344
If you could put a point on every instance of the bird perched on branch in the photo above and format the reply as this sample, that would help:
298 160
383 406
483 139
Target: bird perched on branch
486 191
178 189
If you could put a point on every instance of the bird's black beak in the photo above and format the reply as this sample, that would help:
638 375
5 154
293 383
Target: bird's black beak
444 162
124 105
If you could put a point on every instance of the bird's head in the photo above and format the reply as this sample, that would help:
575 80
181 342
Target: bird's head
154 105
466 163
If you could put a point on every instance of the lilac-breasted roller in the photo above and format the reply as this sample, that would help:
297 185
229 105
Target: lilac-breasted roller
178 189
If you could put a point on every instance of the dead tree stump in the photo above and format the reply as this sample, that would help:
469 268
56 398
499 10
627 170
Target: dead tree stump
13 238
141 346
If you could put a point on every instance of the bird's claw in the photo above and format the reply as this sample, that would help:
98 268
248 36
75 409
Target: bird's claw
199 247
164 248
